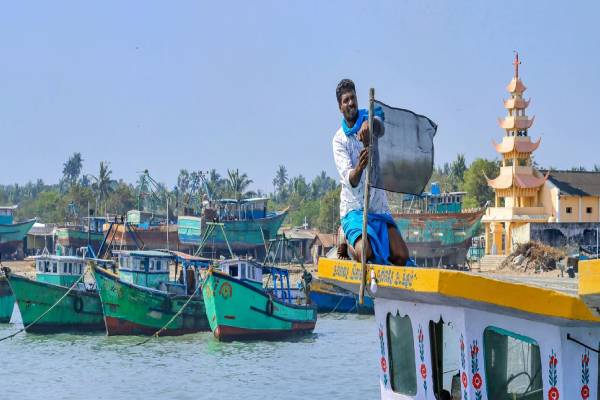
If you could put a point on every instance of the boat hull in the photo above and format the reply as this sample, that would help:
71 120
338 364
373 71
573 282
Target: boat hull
439 239
153 237
135 310
7 301
239 311
76 238
11 236
242 235
327 302
80 311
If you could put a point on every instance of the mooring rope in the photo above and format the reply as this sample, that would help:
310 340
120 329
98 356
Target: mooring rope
178 313
48 310
334 308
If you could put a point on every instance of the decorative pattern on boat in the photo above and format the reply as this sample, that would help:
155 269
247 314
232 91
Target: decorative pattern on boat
477 380
226 291
423 367
463 374
585 375
553 392
383 362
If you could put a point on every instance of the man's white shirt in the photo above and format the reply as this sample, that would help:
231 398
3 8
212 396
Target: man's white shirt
346 152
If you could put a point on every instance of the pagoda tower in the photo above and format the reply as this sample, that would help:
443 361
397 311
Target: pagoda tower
518 183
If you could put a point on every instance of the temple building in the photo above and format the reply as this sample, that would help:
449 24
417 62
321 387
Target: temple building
560 208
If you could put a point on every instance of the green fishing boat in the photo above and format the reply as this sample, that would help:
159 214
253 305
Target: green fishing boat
79 310
238 307
246 223
12 233
141 300
7 301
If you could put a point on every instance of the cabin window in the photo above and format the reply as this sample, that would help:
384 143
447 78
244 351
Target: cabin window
158 265
70 268
54 267
243 270
151 265
569 210
445 359
64 268
513 367
401 351
588 210
47 266
233 270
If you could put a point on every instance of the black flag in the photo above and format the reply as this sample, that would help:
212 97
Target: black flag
403 153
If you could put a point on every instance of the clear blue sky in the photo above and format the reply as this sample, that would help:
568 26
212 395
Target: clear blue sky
250 84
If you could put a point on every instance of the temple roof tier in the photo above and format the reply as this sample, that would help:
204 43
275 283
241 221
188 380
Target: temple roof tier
514 122
516 103
523 181
516 86
518 144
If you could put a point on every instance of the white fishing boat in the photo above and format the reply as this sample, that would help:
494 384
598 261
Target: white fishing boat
461 335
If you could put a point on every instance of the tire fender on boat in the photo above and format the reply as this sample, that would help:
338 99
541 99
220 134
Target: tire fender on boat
77 304
269 307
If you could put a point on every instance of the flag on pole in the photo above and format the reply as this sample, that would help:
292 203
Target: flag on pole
403 152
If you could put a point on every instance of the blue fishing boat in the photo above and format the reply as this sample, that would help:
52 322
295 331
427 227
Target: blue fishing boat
330 298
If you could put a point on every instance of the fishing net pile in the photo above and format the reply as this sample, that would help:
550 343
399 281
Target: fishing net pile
533 257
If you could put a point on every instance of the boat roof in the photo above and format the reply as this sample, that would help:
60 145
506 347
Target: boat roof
145 253
533 297
69 258
8 207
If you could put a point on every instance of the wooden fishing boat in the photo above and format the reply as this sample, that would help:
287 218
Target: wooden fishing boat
435 228
70 238
7 301
247 225
141 299
80 310
11 233
454 334
239 308
330 298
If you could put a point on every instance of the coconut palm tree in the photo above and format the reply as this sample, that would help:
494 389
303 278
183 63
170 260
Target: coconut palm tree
103 184
237 183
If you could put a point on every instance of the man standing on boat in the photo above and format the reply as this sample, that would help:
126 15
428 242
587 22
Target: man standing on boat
384 243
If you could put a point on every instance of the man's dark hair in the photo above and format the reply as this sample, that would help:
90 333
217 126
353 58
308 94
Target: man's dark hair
345 85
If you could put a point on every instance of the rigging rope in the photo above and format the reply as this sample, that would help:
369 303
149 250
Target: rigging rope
178 313
48 310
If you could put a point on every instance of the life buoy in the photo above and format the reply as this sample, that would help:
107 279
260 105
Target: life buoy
269 308
78 304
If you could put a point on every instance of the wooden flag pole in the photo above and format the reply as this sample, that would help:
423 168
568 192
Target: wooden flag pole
363 254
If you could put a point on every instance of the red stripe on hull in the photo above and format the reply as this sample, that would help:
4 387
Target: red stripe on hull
228 333
117 326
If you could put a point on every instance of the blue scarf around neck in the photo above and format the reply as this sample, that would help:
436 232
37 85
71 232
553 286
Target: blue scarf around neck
363 115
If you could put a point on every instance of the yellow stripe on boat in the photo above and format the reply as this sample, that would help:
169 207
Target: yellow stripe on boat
589 284
463 285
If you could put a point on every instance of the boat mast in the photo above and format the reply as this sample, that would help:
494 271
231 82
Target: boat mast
363 258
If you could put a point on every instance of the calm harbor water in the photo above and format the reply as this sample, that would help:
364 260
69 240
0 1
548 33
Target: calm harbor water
338 361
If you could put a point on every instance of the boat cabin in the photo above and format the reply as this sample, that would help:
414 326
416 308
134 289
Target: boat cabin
94 224
252 272
147 268
245 270
144 219
456 335
242 210
61 270
434 202
7 215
